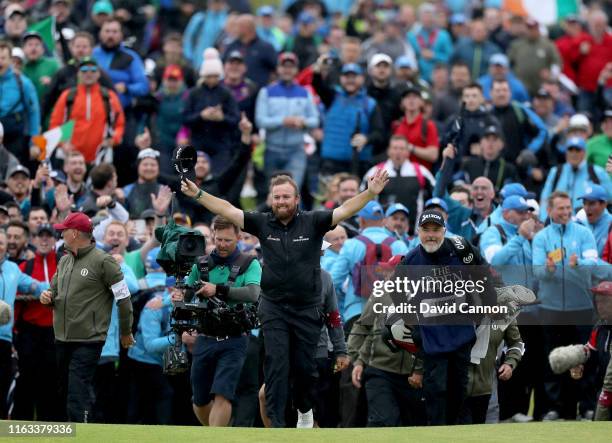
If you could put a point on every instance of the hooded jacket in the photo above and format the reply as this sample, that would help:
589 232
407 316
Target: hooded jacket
89 113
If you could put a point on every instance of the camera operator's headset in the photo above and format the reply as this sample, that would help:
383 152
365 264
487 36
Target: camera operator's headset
240 265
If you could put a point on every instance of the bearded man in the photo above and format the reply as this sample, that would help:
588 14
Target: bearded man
445 337
289 309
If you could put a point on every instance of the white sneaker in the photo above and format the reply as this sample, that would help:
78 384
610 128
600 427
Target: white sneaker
305 420
551 416
521 418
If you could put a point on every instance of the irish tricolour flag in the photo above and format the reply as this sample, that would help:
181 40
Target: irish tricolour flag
546 12
48 141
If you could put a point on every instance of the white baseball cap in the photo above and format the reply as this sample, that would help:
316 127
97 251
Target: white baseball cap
579 121
380 58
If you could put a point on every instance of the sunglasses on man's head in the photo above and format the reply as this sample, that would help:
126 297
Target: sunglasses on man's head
89 69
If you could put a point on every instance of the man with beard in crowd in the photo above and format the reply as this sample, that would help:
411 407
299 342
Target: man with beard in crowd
289 310
138 194
18 186
126 70
17 236
445 341
75 170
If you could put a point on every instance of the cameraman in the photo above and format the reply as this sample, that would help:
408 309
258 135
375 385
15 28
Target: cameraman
217 361
289 312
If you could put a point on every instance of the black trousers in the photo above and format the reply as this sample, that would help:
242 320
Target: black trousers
392 402
475 410
327 408
445 382
150 399
246 407
515 394
353 401
76 363
6 376
563 393
36 390
105 387
290 339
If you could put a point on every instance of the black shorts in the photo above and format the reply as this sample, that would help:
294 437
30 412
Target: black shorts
216 367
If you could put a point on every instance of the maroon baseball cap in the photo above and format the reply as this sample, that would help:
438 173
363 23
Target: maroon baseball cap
76 220
287 57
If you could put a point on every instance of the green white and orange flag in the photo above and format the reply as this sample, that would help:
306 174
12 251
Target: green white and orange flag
46 29
48 141
546 12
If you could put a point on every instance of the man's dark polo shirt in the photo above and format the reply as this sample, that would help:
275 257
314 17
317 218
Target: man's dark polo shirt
291 254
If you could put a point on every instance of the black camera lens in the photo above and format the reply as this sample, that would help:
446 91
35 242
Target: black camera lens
190 245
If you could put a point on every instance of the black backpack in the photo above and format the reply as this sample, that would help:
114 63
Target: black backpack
476 239
110 120
590 169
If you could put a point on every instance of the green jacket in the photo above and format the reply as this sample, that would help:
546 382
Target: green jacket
83 289
366 347
246 288
599 149
528 58
43 67
480 376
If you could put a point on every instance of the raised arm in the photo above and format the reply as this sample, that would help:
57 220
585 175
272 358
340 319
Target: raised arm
376 183
214 204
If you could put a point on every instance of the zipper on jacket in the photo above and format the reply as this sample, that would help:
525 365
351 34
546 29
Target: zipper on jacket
66 297
88 104
562 268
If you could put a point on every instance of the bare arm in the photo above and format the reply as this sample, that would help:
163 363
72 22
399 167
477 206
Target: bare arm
429 154
376 183
214 204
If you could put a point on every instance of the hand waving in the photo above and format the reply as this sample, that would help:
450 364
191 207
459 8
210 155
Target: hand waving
162 200
378 181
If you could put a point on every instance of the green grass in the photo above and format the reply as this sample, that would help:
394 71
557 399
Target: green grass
589 432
